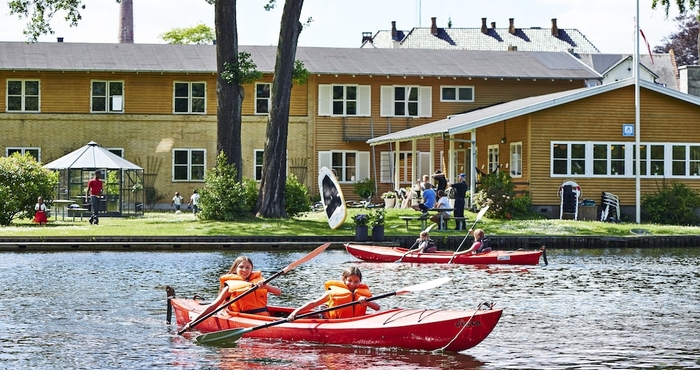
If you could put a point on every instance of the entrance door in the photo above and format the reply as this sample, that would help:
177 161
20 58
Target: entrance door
462 162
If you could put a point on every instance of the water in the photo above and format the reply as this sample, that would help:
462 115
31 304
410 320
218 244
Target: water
589 309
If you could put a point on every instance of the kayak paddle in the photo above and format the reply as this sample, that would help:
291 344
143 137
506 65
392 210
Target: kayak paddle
224 338
292 265
411 249
478 217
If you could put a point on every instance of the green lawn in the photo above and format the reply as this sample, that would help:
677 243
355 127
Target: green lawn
314 223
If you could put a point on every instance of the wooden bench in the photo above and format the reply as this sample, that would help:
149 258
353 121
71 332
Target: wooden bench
465 219
423 221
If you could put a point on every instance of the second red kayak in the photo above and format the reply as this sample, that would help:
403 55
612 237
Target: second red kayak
371 253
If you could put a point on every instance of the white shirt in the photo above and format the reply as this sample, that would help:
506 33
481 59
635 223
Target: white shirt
443 202
177 200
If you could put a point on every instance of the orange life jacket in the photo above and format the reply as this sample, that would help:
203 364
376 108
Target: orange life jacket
253 303
340 294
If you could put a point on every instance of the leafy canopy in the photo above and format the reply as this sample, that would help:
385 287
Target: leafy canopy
201 34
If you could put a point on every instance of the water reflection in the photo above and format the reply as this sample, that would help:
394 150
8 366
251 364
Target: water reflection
604 308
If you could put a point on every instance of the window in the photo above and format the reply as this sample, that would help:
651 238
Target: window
22 95
516 159
568 159
608 159
404 166
189 97
406 101
107 96
117 151
457 93
344 100
262 98
189 164
350 166
258 164
493 159
34 152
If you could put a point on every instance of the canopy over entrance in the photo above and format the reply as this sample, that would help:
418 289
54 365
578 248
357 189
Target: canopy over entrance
123 192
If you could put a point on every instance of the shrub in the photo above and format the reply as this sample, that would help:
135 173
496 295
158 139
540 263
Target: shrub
296 197
22 181
672 205
497 191
223 198
364 188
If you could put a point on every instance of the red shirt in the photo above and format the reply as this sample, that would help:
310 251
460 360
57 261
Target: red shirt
94 186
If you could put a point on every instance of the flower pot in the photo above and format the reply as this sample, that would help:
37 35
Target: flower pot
378 233
361 233
389 202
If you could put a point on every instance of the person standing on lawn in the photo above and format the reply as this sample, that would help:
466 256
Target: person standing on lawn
460 191
94 192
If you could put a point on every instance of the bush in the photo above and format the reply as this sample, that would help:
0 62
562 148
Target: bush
364 188
674 205
497 191
22 181
296 197
223 198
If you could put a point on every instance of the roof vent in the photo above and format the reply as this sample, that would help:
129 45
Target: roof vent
366 37
59 39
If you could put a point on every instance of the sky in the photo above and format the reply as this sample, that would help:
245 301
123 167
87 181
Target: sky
608 24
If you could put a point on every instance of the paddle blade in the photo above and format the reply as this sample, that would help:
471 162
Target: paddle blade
222 338
481 214
423 286
308 257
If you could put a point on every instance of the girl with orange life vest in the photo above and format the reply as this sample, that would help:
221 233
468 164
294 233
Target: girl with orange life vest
348 290
239 279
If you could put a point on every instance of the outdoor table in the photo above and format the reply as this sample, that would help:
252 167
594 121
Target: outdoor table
441 213
62 204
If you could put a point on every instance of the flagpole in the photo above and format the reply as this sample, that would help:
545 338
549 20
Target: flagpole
637 135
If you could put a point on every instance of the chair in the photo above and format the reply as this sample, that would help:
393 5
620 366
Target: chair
611 207
569 192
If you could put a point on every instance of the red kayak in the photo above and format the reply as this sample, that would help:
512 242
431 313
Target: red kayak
419 329
373 253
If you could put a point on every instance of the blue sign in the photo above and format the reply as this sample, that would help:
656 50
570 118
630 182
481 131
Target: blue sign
627 129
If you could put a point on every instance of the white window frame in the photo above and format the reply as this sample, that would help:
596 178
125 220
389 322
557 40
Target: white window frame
113 103
116 151
24 96
363 95
341 161
516 159
23 150
457 95
404 167
260 99
657 160
258 166
388 101
189 165
493 158
191 100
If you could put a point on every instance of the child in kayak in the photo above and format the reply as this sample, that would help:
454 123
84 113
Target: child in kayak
349 289
480 244
239 279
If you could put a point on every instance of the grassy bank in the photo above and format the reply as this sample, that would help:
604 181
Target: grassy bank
314 223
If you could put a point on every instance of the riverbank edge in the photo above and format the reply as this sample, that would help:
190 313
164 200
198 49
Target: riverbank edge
197 243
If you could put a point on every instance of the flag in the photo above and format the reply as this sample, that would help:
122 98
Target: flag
648 47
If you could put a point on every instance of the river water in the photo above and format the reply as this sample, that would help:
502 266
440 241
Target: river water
589 309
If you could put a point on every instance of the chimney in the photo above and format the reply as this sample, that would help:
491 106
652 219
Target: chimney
59 39
511 27
512 48
555 30
393 30
126 22
483 26
493 25
366 37
433 26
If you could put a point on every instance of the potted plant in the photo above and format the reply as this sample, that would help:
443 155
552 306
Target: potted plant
361 229
377 220
364 189
389 199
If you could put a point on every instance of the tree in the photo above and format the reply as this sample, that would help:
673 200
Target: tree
271 199
199 34
684 43
22 181
682 7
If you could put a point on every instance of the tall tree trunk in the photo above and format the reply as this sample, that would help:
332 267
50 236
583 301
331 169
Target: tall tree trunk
271 197
229 95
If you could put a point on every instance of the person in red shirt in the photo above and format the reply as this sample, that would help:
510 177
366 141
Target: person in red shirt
94 191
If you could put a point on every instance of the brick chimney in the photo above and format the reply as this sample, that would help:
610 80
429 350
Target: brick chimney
433 26
555 30
366 37
483 26
393 30
126 22
511 27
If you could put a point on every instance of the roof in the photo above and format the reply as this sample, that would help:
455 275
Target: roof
496 39
662 65
92 156
465 122
202 59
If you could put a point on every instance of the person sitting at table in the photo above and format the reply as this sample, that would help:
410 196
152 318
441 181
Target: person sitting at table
442 202
428 200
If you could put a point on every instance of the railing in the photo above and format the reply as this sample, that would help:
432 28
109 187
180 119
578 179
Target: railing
365 128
